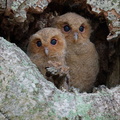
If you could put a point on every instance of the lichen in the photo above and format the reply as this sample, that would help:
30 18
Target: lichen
2 4
30 96
111 10
105 4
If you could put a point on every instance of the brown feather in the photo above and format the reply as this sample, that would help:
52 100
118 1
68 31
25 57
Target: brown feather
81 56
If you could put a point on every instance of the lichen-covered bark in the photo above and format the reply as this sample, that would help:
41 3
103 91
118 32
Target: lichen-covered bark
2 5
18 9
111 10
26 95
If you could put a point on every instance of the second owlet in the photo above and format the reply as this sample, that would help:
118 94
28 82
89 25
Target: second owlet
46 45
81 56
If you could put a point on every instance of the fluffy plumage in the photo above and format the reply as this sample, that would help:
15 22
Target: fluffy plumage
46 45
81 57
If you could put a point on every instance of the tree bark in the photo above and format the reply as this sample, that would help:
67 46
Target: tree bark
18 9
26 95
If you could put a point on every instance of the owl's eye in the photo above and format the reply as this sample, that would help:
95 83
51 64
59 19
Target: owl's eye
67 28
39 43
53 41
81 29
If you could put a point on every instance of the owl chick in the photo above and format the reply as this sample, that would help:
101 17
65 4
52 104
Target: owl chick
47 45
81 56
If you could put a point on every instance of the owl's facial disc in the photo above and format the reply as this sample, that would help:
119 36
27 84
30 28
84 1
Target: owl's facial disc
46 50
75 36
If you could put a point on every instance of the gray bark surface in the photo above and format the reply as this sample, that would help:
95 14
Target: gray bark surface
26 95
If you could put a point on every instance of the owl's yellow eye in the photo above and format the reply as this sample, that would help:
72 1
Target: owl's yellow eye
67 28
81 29
39 44
53 41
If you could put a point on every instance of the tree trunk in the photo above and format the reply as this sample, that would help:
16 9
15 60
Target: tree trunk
26 95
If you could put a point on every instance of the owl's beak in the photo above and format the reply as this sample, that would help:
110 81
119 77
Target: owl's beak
46 51
75 36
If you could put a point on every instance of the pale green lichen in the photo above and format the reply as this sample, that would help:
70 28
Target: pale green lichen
43 4
2 4
21 7
15 5
2 117
106 4
18 5
73 109
112 11
106 117
30 96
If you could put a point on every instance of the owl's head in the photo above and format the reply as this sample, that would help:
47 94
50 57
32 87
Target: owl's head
75 27
48 42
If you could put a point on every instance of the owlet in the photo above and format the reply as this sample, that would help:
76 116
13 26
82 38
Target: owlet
81 56
47 45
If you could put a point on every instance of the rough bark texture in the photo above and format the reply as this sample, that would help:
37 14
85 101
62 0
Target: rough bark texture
19 19
18 8
26 95
111 10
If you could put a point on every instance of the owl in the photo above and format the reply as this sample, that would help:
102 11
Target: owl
45 46
81 56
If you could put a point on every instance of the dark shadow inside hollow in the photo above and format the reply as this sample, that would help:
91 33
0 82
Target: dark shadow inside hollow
19 33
